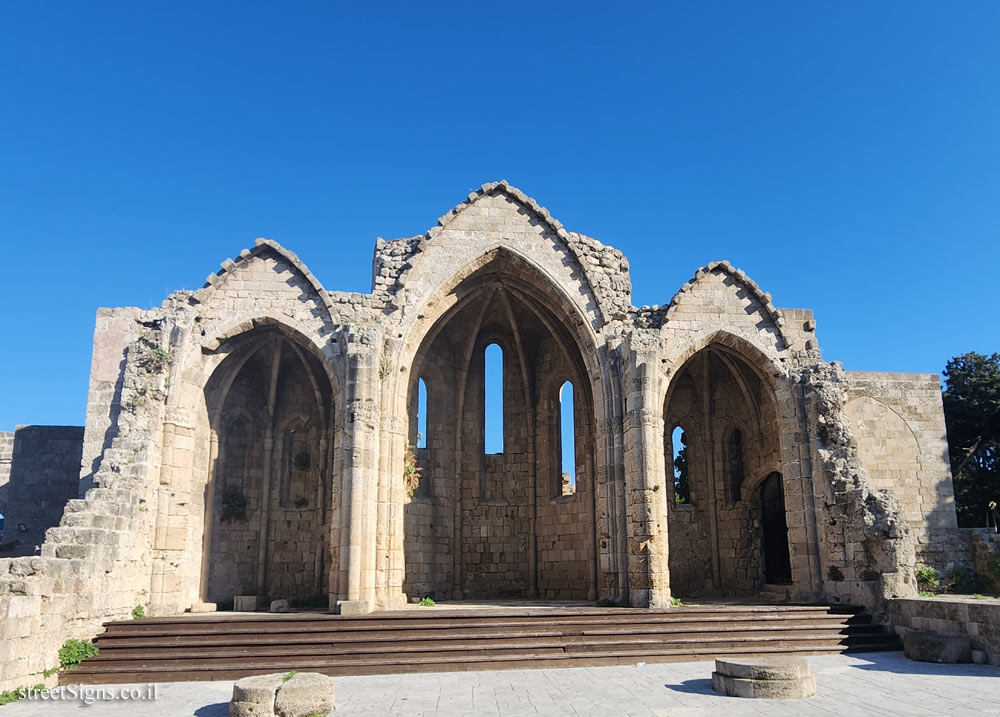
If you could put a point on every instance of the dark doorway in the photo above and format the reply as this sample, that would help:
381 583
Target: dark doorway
777 565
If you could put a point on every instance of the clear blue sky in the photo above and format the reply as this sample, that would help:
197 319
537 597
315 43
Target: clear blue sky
846 155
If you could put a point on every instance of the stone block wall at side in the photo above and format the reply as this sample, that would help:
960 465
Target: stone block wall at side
898 421
984 549
95 564
113 331
44 472
979 620
6 454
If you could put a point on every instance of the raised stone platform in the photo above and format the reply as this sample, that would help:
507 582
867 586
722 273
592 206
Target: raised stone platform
773 678
225 646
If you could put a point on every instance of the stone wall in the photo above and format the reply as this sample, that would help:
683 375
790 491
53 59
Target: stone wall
565 517
898 422
44 474
114 330
95 565
6 455
429 514
495 487
984 550
979 620
867 546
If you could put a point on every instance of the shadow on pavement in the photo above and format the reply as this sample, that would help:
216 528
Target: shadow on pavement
895 662
694 687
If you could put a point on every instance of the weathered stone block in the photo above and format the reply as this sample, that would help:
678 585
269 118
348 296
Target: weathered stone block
764 668
353 607
245 603
304 695
764 689
931 647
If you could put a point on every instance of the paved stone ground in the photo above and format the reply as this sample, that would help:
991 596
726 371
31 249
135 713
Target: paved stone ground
871 684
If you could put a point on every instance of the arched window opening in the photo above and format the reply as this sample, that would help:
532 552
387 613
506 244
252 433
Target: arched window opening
1 521
421 414
567 442
297 460
682 484
493 400
734 453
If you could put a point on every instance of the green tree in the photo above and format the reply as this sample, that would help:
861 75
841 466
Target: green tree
682 488
972 413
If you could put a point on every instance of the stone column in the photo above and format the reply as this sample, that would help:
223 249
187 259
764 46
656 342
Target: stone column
361 439
649 578
390 537
609 483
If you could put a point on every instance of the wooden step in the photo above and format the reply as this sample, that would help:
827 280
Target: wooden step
445 636
230 646
291 647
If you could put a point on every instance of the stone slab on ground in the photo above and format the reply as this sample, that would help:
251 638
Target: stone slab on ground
244 603
353 607
202 607
931 647
282 694
254 696
306 694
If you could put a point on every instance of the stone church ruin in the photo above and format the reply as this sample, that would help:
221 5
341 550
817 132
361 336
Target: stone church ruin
263 438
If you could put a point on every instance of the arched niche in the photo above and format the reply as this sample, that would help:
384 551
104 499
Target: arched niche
269 486
494 524
725 403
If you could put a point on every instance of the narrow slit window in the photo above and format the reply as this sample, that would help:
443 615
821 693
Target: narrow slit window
682 485
493 400
421 414
735 450
567 433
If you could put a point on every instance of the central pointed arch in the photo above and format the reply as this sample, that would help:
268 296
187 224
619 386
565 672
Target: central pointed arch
510 533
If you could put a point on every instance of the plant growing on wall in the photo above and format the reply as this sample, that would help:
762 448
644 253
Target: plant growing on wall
927 579
384 367
411 471
234 505
73 652
157 360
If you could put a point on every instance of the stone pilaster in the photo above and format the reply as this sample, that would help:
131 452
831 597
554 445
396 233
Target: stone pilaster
646 507
360 478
